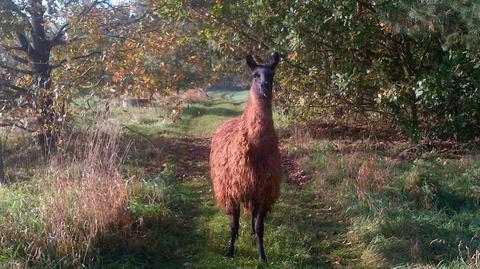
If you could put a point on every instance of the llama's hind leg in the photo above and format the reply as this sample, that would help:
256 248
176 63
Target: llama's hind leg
254 214
234 226
260 217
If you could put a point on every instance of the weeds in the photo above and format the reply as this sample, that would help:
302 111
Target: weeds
57 219
401 212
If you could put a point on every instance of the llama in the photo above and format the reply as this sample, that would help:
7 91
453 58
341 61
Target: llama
245 160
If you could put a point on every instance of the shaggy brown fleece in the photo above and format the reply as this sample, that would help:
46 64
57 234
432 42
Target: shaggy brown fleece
245 160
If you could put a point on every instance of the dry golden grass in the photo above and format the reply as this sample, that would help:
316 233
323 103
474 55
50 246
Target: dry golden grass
370 178
81 200
194 95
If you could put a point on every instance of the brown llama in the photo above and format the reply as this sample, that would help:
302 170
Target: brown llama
245 160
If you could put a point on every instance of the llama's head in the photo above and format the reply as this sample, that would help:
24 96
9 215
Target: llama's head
262 76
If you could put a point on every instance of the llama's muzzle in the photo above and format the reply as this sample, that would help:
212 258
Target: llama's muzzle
266 90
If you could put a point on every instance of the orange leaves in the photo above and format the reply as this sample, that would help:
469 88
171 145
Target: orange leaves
147 79
24 81
386 27
178 76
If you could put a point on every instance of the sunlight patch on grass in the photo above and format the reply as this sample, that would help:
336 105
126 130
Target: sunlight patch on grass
198 119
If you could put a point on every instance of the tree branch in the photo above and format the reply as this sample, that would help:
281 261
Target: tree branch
18 59
15 8
6 83
18 70
24 44
248 36
58 37
87 9
8 48
75 58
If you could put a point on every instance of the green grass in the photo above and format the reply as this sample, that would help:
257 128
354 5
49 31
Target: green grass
195 233
410 213
199 119
363 208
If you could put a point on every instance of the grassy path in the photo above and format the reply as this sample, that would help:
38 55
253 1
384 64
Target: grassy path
350 199
301 232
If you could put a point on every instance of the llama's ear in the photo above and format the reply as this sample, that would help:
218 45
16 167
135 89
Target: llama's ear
251 62
275 59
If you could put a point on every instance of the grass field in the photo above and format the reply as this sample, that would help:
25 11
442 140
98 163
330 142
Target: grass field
348 201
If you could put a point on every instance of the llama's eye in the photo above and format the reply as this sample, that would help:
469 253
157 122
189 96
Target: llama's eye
256 75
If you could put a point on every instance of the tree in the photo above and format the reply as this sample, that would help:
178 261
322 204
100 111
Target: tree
2 172
156 52
410 62
32 30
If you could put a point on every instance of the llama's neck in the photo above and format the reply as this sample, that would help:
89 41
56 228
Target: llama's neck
258 110
259 120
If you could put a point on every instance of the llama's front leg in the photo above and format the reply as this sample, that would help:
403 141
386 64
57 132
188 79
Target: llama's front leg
234 225
259 231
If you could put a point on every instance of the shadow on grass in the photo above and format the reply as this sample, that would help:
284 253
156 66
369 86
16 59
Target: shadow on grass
21 160
164 242
307 231
150 155
424 237
301 232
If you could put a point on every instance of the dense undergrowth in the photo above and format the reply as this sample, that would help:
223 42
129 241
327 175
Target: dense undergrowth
140 197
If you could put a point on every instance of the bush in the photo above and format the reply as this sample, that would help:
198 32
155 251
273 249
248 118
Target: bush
149 198
449 98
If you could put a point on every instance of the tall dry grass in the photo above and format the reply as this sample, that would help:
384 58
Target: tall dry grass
370 178
81 199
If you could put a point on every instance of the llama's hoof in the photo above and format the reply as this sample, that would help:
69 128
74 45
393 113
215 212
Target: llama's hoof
229 255
263 258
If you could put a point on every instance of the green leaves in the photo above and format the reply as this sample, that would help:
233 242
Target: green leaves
380 58
388 60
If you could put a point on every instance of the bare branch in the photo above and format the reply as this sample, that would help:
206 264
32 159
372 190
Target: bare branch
75 58
58 37
13 55
6 83
18 59
87 9
8 48
14 69
24 44
15 8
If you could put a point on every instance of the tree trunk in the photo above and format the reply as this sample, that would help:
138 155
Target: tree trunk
414 121
47 118
2 171
39 49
